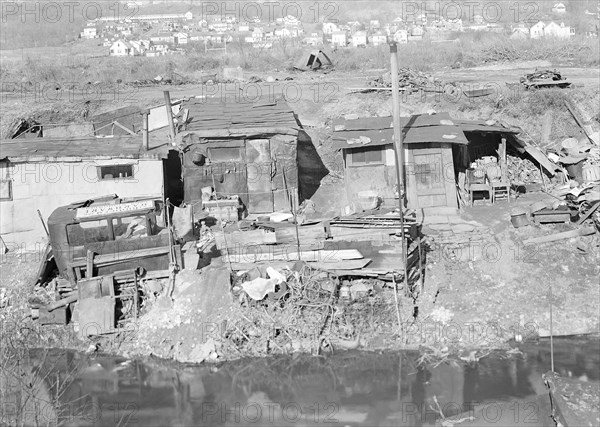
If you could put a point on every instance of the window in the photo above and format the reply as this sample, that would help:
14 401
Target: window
129 227
115 172
88 231
366 156
6 189
225 154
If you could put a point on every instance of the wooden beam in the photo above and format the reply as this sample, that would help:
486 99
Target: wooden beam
541 158
561 236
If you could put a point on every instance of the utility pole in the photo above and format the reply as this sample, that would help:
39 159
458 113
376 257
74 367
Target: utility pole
399 151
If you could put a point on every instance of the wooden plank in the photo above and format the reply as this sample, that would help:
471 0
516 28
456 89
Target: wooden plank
89 264
102 260
321 255
306 234
588 214
350 264
561 236
541 159
250 237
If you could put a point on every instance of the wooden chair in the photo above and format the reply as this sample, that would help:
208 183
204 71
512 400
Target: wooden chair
476 182
500 187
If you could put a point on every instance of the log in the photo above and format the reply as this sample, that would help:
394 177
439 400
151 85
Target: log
561 236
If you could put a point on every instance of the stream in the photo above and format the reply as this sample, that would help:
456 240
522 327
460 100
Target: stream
344 389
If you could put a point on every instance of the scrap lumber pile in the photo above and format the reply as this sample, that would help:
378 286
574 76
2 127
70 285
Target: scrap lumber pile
522 171
410 81
544 78
360 245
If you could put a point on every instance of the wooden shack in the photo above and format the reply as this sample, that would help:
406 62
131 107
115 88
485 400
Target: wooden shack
242 148
42 174
370 164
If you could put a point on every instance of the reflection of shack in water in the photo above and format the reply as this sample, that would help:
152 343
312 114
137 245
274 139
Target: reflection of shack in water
347 388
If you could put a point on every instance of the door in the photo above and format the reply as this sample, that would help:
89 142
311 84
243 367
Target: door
429 184
259 167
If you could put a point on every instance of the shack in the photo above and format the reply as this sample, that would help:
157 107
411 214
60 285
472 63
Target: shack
45 173
440 153
370 164
240 148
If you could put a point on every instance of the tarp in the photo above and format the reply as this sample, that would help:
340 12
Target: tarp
313 60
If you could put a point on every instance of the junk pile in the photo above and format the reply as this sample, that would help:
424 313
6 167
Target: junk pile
575 200
412 81
522 171
160 80
112 255
328 245
544 78
300 308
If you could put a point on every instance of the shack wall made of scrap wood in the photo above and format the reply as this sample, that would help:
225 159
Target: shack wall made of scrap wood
49 185
428 170
257 178
363 181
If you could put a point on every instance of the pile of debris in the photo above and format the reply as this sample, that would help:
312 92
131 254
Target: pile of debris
544 78
410 81
160 80
522 171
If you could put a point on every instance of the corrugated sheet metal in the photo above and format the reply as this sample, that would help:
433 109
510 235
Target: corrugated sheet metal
208 114
74 149
421 129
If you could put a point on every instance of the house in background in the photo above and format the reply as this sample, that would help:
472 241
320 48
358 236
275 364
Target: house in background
378 39
89 32
559 8
123 48
359 39
401 36
180 38
551 29
519 34
47 173
339 39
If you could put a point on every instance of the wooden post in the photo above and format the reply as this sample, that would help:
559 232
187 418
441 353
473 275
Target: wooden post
170 115
399 150
145 128
89 264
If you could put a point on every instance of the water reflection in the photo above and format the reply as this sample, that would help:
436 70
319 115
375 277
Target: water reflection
345 389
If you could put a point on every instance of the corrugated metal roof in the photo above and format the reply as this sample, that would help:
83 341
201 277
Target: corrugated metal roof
483 126
77 149
215 114
418 129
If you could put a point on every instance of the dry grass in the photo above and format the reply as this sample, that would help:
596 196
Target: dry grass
470 50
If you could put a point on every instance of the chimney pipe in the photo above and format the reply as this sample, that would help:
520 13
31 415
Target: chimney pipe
170 115
145 128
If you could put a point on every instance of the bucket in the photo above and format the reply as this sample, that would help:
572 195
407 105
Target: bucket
576 171
590 173
519 218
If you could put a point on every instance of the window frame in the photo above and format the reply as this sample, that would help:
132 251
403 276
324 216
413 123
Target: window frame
117 166
350 160
239 159
10 190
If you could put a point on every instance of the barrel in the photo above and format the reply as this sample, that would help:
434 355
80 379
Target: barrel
590 173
